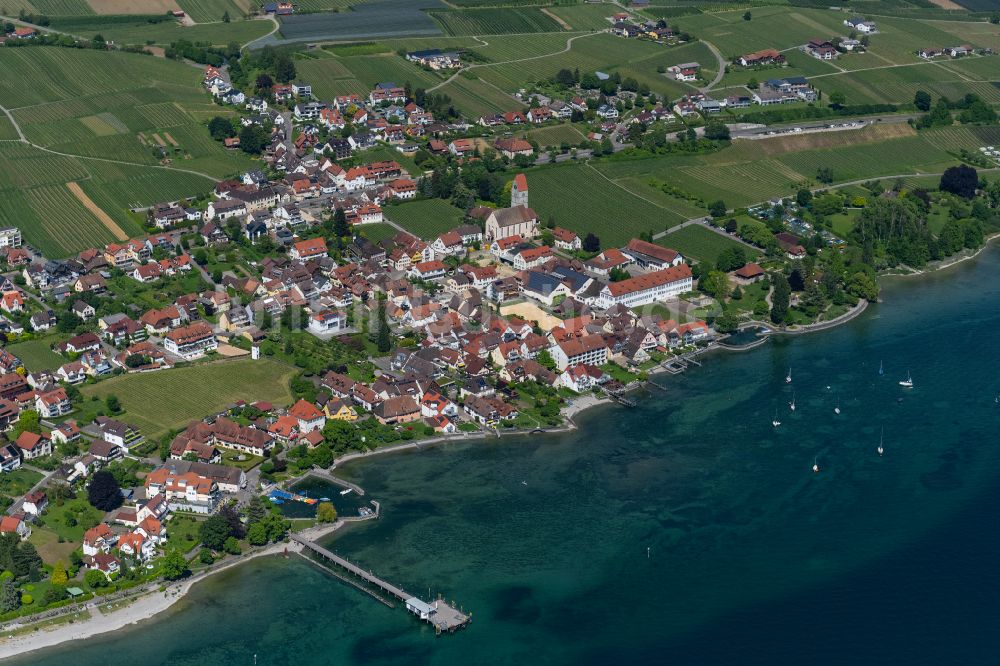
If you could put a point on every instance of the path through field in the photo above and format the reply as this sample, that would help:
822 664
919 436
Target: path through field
722 66
569 45
98 212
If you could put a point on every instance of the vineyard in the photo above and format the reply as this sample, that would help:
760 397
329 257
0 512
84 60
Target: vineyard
476 97
62 7
427 218
207 11
700 243
495 21
105 106
579 198
373 19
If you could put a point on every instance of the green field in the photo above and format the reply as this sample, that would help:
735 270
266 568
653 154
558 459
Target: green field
750 171
581 199
165 32
427 218
555 135
36 354
700 243
584 16
205 11
159 401
62 7
100 111
376 232
495 21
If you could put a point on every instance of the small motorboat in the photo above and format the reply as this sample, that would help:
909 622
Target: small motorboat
816 465
346 491
788 377
908 382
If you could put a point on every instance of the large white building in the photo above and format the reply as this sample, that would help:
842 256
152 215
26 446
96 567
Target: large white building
10 237
652 287
589 350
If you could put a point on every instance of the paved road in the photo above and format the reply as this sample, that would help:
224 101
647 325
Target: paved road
722 66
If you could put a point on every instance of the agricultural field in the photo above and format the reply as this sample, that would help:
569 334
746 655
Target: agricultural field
159 401
604 52
555 135
206 11
750 171
140 31
96 108
701 243
366 20
771 27
580 198
427 218
495 21
376 232
61 7
585 16
476 96
36 354
323 5
7 131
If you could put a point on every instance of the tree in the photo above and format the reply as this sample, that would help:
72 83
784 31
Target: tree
961 180
803 197
591 243
103 492
284 68
325 513
716 131
253 139
94 579
214 532
113 404
341 229
232 518
824 175
717 208
837 99
780 297
225 17
59 576
28 421
716 284
257 534
264 83
255 509
232 546
68 322
564 77
730 259
383 338
10 596
747 16
922 100
174 566
321 456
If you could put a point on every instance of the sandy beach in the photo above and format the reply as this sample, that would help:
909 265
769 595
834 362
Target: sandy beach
142 608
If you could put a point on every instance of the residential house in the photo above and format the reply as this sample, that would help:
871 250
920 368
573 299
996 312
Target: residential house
192 341
657 286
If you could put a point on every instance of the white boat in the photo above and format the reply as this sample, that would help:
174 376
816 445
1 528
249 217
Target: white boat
775 422
788 377
791 405
881 370
836 410
880 448
816 465
344 492
908 382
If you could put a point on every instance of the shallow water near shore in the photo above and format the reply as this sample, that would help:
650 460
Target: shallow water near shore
686 530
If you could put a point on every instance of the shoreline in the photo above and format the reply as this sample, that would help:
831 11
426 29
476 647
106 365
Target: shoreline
143 607
149 604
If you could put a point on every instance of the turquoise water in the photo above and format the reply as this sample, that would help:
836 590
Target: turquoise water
686 530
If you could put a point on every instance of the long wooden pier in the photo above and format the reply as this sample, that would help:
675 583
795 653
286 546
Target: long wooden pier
444 617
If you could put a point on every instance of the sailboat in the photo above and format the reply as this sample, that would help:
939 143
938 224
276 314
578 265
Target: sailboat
836 410
788 377
881 370
775 422
791 405
816 465
880 448
908 382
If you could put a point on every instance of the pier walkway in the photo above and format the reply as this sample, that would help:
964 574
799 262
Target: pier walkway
442 616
